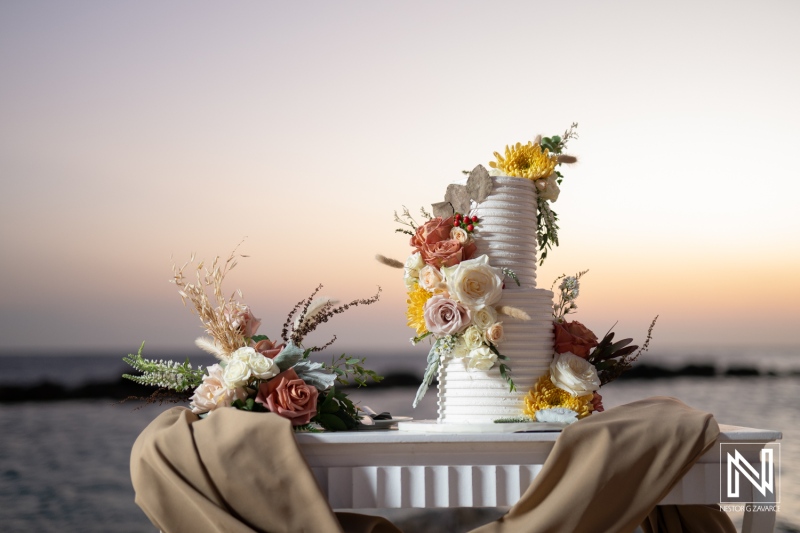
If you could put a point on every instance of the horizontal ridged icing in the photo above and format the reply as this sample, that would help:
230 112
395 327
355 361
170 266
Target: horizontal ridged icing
507 234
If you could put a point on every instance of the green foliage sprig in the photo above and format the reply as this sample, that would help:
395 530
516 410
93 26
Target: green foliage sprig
165 374
346 367
335 411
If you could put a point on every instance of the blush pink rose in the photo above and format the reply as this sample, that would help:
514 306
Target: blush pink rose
574 337
243 320
290 397
444 316
268 348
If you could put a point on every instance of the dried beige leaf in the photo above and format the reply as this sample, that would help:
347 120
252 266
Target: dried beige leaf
479 184
458 197
442 209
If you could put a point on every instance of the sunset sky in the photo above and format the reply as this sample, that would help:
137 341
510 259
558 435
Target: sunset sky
135 133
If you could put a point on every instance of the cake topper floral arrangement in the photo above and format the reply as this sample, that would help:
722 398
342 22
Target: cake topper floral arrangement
256 373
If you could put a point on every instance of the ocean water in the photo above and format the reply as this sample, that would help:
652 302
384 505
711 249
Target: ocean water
64 465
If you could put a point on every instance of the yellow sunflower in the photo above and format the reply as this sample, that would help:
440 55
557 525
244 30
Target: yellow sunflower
525 161
545 395
416 309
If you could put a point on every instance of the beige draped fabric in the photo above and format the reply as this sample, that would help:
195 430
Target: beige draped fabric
237 471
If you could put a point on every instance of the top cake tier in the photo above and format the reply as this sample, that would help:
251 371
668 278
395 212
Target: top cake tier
507 229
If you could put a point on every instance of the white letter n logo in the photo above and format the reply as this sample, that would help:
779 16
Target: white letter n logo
741 465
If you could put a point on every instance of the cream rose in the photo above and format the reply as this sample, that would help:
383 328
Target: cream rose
574 374
237 373
473 338
214 392
411 269
494 334
481 358
484 318
474 283
260 366
430 279
459 234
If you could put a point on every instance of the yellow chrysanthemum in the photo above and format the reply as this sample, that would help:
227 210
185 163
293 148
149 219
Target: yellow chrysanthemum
545 395
525 161
416 309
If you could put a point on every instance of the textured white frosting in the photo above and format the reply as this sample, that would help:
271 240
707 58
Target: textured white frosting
507 234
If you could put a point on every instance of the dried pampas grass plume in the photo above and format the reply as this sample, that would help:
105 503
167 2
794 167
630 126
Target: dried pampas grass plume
394 263
566 159
209 346
513 312
317 305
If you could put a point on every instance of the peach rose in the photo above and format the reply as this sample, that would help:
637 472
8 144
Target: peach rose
574 337
290 397
495 333
243 320
214 392
268 348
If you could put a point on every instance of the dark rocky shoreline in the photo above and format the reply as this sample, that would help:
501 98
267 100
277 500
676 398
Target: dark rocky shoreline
121 389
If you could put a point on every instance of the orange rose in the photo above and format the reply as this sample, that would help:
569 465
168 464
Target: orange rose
574 337
290 397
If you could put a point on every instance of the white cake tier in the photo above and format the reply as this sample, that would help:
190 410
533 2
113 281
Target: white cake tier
506 231
474 396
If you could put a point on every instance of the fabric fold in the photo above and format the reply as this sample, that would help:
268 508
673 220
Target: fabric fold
237 471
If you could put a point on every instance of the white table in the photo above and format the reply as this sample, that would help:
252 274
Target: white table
393 469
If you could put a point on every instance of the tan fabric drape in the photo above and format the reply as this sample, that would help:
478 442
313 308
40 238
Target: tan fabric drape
239 472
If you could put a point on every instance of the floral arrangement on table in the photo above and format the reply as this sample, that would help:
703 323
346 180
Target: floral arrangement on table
581 364
256 373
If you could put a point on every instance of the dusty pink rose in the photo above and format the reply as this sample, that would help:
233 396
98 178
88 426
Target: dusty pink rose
434 243
268 348
243 320
597 403
574 337
444 316
290 397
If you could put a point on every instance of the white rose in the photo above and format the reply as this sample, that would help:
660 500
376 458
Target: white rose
459 234
484 318
548 188
214 392
474 283
473 338
430 279
574 374
482 358
411 269
496 172
460 350
237 373
494 334
558 415
263 367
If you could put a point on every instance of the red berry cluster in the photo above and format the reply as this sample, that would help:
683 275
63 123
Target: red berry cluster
466 223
